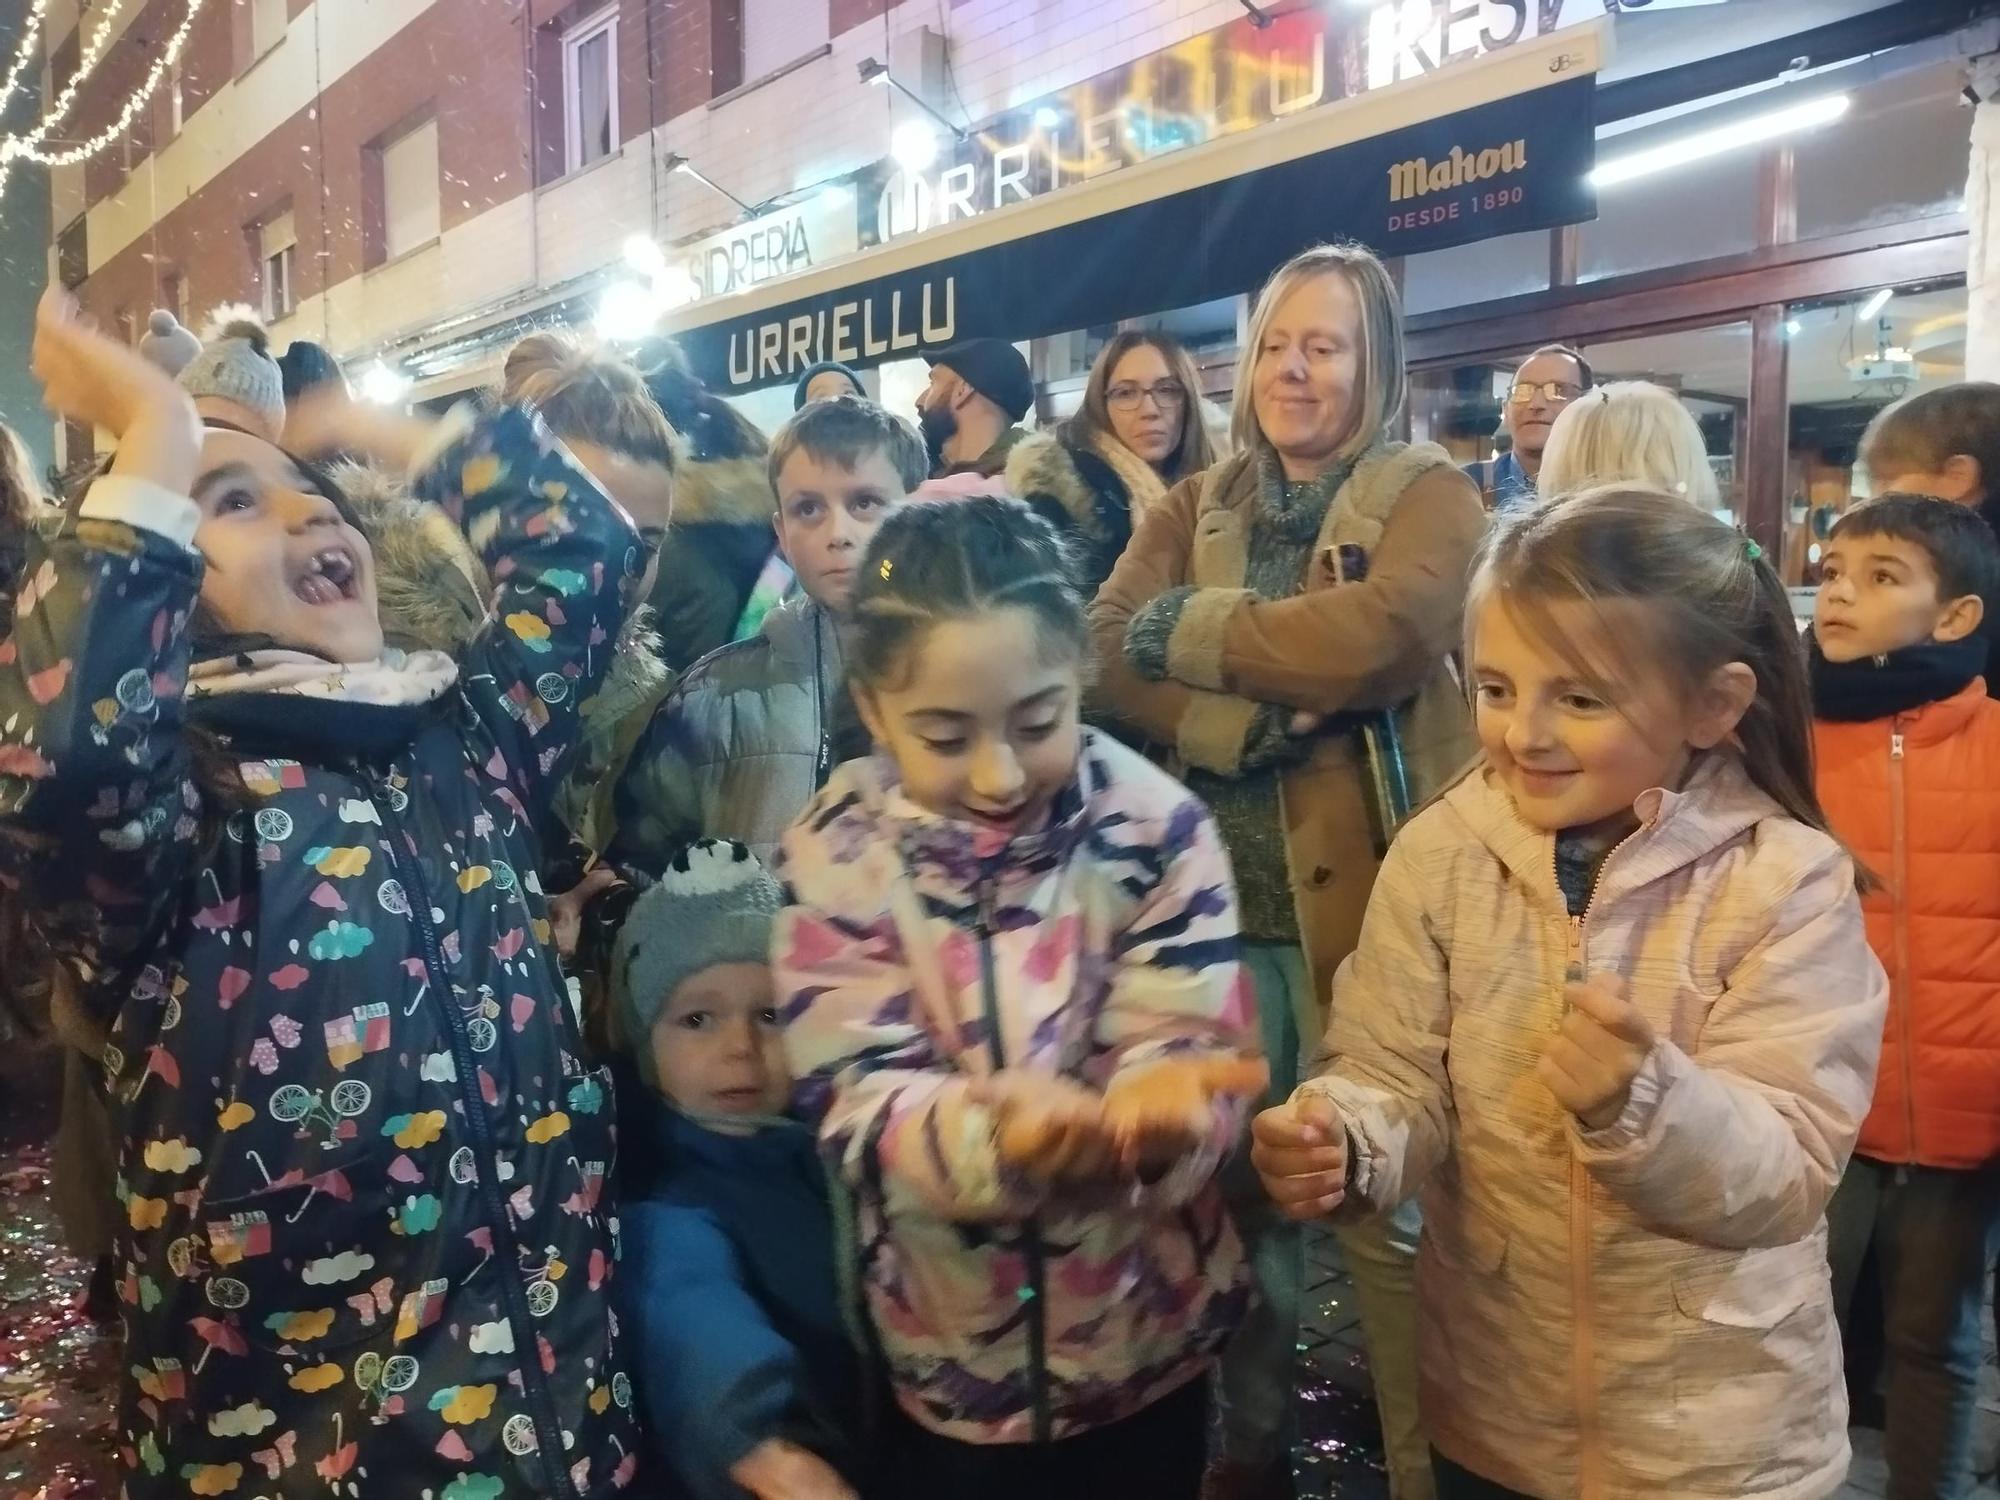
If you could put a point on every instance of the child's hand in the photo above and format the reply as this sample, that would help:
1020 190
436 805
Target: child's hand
1603 1043
566 911
99 382
778 1470
1049 1128
1160 1112
1300 1151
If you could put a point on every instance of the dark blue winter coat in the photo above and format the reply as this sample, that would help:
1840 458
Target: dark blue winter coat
731 1298
363 1250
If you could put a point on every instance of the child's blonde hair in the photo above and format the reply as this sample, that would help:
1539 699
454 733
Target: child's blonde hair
1711 598
588 394
1630 432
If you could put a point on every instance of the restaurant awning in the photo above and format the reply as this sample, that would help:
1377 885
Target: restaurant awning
1492 146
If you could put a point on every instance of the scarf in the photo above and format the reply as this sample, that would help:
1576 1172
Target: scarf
1143 486
270 697
1295 509
1880 687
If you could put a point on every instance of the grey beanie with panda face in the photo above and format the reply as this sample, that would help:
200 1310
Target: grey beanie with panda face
713 904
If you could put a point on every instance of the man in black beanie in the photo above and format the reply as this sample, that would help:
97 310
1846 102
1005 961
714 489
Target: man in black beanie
971 411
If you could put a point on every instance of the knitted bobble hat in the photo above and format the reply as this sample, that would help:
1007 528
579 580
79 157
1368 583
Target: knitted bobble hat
235 364
713 904
166 344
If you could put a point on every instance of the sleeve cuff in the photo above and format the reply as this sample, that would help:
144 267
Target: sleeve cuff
144 505
1149 633
1194 649
1642 1107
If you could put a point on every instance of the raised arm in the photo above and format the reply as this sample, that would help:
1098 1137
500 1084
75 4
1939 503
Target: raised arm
564 559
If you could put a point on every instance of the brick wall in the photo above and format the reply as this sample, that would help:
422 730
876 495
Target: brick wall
501 234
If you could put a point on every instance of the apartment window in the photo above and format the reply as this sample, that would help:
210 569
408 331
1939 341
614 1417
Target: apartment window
277 251
777 32
590 90
73 253
409 166
176 102
267 25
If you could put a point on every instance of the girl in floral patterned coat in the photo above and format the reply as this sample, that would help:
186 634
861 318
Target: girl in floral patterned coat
1009 979
362 1245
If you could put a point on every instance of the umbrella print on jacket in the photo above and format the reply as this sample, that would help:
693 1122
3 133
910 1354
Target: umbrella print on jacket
336 1464
217 1334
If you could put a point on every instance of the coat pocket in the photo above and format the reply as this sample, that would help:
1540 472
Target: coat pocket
1756 1362
307 1264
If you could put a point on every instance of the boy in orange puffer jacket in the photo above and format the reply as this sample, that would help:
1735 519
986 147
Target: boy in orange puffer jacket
1908 750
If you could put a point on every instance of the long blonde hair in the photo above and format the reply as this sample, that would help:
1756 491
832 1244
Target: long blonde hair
1382 384
1630 432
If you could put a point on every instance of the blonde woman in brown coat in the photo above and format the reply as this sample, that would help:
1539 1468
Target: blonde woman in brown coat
1282 626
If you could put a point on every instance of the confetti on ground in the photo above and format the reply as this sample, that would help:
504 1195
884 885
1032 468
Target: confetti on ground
58 1372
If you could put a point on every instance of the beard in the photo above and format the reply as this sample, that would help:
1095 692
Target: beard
939 425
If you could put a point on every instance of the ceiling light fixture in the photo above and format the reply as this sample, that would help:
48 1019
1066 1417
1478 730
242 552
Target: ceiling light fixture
1701 144
875 72
673 161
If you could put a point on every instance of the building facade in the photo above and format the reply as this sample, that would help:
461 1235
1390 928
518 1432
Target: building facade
414 182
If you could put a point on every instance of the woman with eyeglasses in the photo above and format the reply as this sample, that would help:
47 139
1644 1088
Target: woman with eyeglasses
1282 626
1138 432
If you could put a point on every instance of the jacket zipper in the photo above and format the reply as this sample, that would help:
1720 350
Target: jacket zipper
1590 1459
541 1404
1032 1251
1899 897
822 762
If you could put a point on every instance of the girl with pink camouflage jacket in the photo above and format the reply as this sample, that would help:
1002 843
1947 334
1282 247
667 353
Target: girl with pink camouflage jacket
1008 973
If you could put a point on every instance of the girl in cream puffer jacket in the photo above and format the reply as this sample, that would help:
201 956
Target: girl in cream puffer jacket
1622 1055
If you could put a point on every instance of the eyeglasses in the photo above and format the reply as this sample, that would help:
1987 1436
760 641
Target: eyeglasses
1168 395
1548 390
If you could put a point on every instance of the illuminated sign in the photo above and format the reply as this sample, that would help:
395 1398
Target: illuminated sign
787 240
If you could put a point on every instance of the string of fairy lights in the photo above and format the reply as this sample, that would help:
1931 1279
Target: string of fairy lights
32 144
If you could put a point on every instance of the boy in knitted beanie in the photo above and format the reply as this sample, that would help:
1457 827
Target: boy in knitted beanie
748 1376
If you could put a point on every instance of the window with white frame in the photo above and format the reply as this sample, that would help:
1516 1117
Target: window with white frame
410 217
267 25
777 32
590 90
277 246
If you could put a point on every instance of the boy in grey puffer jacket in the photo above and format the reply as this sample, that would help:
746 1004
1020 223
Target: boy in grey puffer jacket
752 730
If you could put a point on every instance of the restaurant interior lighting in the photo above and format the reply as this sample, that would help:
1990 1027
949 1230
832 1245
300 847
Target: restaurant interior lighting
1808 114
1877 300
876 72
673 161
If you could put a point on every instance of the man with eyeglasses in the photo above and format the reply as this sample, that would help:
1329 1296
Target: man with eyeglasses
1548 380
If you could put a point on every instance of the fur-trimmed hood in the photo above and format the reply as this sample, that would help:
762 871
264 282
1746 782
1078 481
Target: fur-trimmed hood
432 590
1043 466
724 492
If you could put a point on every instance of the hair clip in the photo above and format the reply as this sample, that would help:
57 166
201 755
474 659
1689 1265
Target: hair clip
888 566
1751 550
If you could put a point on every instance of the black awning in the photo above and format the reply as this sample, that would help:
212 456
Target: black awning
1516 163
